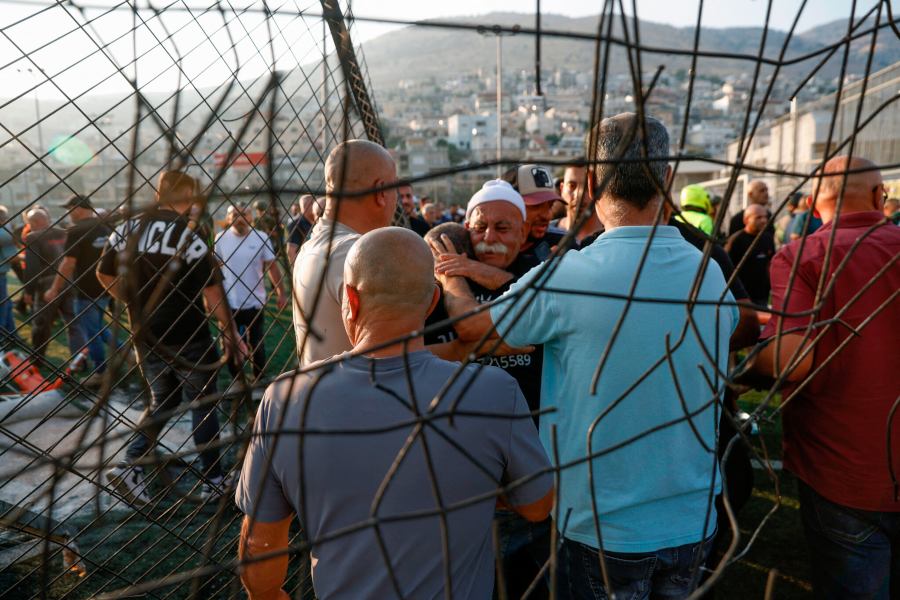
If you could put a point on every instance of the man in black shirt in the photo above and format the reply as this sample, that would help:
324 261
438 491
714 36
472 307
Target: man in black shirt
300 226
164 272
754 272
76 274
408 202
44 246
757 193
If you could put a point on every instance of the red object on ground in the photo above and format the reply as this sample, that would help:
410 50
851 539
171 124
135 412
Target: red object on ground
26 375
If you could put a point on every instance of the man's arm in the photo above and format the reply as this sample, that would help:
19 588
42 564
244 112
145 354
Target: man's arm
458 300
111 284
457 265
263 579
64 274
292 251
536 511
277 280
772 363
217 307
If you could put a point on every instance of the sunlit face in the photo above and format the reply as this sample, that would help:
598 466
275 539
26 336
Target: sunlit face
755 218
574 188
406 199
758 194
497 232
538 218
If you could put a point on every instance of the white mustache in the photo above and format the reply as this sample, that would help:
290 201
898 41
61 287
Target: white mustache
485 248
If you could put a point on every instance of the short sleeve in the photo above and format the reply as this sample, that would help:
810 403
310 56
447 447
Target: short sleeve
73 236
258 493
802 294
525 316
334 274
268 251
526 457
109 255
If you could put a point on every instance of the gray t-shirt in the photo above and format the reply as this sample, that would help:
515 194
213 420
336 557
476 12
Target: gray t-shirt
358 417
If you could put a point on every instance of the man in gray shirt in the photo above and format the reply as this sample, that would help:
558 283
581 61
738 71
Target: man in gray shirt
378 489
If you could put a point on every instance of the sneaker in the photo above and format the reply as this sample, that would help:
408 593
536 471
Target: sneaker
216 487
128 481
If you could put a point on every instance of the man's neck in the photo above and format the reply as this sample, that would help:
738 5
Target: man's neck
377 336
590 226
360 223
238 233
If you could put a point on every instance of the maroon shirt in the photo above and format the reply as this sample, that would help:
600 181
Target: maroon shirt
835 430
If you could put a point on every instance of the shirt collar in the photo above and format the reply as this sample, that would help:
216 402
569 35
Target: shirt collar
325 224
641 232
854 220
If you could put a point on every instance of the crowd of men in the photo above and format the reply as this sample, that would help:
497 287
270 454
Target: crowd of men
551 364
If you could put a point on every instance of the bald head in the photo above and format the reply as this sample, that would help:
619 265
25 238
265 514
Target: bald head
758 192
756 217
37 219
863 190
457 234
354 165
392 270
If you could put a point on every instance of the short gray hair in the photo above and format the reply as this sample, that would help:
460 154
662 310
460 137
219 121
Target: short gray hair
625 176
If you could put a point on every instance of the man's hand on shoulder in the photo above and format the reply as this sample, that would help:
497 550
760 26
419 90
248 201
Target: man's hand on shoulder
457 265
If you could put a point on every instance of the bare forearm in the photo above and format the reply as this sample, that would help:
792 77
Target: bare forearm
458 300
263 579
217 307
780 356
490 277
64 274
275 277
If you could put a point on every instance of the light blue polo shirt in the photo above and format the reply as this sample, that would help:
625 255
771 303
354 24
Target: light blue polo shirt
652 479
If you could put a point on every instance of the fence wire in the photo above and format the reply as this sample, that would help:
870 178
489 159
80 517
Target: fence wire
249 100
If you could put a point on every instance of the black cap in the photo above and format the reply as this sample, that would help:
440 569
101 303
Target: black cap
78 201
260 205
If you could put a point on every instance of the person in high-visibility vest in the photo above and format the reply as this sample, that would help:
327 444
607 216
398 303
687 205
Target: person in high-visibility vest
696 208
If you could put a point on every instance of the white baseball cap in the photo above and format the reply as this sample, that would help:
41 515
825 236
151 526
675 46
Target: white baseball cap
496 190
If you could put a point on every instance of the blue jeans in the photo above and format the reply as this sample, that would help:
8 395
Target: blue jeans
524 548
89 316
667 573
855 553
171 384
6 309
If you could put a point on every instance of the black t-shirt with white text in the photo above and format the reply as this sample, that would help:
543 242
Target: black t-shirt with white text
525 368
166 245
84 242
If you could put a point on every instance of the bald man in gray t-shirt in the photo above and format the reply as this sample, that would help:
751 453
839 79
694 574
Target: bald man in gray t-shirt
360 461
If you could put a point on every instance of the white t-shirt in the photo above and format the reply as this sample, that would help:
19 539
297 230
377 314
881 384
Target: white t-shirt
321 257
244 261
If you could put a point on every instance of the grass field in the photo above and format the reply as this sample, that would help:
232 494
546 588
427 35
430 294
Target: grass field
126 548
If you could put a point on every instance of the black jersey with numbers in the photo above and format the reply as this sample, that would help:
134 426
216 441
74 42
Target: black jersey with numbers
525 367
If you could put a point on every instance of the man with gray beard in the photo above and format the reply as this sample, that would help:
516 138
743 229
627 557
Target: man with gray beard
497 229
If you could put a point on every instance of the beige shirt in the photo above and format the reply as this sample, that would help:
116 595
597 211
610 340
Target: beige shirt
317 261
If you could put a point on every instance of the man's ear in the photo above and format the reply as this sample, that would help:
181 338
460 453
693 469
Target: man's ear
435 298
811 206
352 301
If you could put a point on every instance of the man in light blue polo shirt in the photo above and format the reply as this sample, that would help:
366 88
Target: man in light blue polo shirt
640 402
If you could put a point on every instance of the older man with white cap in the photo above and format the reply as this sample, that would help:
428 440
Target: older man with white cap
498 227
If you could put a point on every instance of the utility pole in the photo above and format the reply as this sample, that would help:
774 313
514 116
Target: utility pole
499 105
